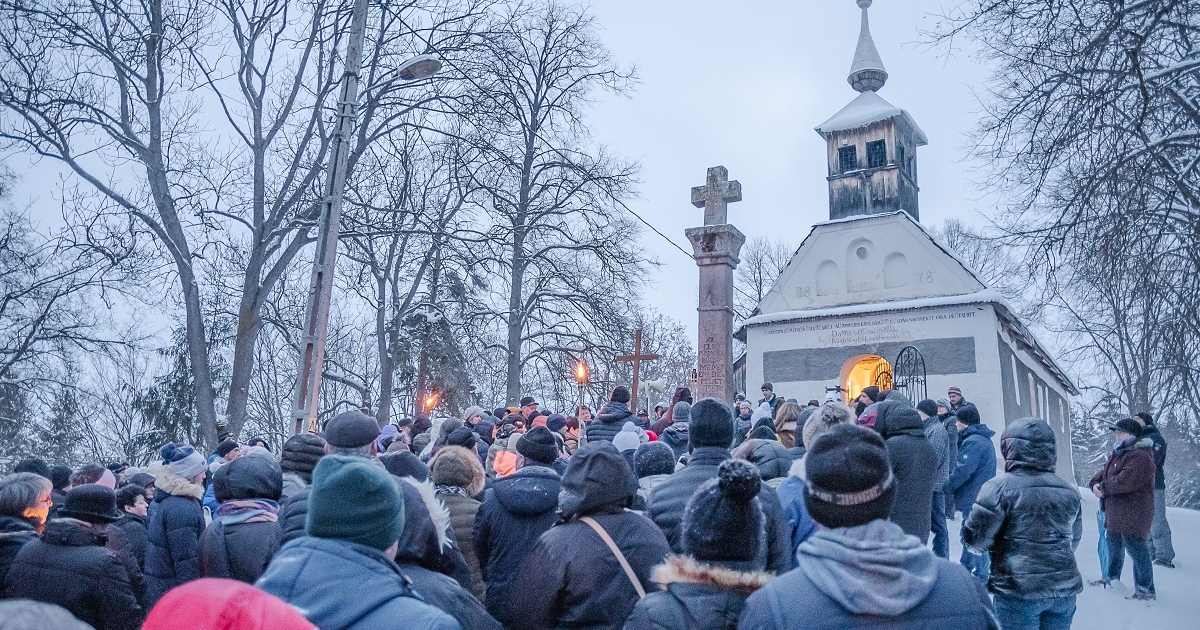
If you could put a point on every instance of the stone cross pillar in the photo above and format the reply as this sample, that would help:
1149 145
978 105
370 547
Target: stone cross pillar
716 246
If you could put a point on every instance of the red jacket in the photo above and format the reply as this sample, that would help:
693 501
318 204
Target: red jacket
214 604
1127 482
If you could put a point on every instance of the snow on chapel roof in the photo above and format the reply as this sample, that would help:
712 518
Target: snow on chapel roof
868 108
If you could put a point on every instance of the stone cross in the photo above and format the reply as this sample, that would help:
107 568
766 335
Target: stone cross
636 358
716 195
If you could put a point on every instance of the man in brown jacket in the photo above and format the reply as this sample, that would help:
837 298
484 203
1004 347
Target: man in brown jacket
1126 491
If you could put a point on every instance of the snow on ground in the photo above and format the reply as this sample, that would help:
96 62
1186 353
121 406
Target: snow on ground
1178 589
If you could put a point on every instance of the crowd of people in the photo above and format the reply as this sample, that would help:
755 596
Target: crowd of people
697 515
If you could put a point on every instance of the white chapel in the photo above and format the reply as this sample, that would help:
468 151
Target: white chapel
871 297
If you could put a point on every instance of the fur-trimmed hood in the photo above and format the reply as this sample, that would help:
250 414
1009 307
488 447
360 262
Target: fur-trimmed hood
687 570
174 485
427 528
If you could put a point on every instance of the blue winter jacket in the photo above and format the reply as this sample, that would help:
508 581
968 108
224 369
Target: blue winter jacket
975 466
791 495
175 525
340 585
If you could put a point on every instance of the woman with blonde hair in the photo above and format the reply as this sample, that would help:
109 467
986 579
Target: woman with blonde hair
785 423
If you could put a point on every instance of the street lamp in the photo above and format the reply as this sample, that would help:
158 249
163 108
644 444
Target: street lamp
320 290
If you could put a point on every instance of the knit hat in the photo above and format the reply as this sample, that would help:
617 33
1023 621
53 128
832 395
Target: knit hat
849 479
711 424
301 453
226 447
472 411
1128 425
826 416
596 476
404 464
927 407
942 402
1146 418
954 390
218 604
682 412
91 503
354 500
620 394
556 422
627 439
968 415
462 436
723 521
653 458
762 432
768 386
458 467
27 614
539 445
140 480
351 429
182 459
107 479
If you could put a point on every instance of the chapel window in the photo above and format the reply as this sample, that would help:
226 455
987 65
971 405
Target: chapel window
847 159
876 154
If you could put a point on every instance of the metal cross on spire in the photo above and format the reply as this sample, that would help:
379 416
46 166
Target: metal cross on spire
716 195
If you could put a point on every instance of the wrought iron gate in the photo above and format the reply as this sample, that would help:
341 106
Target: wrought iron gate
908 374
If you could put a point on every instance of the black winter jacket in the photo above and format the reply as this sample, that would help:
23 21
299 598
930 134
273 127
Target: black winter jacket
239 545
1160 455
14 534
608 423
176 522
913 463
293 514
697 596
1029 518
137 537
70 567
666 503
515 511
772 458
572 579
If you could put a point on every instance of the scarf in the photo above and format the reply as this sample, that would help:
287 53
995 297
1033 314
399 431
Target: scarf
462 492
248 511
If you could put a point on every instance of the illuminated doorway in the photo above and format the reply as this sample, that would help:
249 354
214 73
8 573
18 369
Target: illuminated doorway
864 371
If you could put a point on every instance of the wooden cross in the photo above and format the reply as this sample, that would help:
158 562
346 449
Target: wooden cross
636 358
716 195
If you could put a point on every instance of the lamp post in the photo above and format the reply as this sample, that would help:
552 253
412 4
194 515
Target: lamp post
581 379
320 290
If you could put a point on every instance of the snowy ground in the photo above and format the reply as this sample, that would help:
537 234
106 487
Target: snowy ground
1178 589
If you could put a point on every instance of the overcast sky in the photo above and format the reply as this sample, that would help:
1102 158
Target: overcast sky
743 85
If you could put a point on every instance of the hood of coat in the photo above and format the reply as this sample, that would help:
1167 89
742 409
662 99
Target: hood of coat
872 569
614 412
456 466
769 456
69 532
530 491
687 570
677 434
1028 444
975 429
894 418
168 483
648 483
426 523
596 477
1139 443
248 478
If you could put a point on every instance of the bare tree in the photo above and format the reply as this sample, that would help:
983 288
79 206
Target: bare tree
762 260
559 245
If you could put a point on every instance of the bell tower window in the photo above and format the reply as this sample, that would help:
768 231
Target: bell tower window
847 159
876 154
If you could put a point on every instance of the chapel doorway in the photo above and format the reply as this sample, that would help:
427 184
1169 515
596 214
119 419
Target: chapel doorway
864 371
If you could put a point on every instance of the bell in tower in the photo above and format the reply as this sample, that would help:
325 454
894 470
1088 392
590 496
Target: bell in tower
871 143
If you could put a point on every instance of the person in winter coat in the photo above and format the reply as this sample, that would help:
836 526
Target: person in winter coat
351 433
245 532
725 549
70 566
26 614
626 442
676 435
1161 548
773 401
1031 521
742 423
786 423
653 464
132 505
950 421
573 578
515 511
710 437
957 402
913 462
502 458
939 440
301 452
837 581
613 415
683 394
791 490
214 604
176 521
341 575
976 464
769 456
458 478
24 507
1125 487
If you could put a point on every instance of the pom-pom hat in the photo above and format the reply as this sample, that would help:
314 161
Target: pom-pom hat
723 522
